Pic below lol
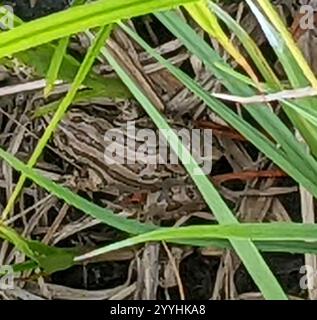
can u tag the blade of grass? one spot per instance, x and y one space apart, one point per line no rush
57 59
253 135
48 258
262 231
295 74
11 236
55 65
132 226
251 47
77 19
39 58
29 265
246 250
268 9
104 215
80 77
269 121
209 22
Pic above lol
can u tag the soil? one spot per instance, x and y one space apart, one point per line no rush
198 272
24 10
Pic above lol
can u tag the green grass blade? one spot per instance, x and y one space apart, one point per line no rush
293 247
104 215
131 226
77 19
261 231
61 261
295 72
57 59
55 65
261 113
48 258
208 21
247 251
66 102
277 22
250 46
19 242
39 59
253 135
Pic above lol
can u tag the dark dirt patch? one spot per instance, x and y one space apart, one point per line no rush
198 274
95 276
23 9
286 269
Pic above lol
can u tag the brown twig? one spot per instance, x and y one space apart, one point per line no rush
248 175
220 130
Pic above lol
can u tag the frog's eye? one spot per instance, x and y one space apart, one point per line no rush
63 139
